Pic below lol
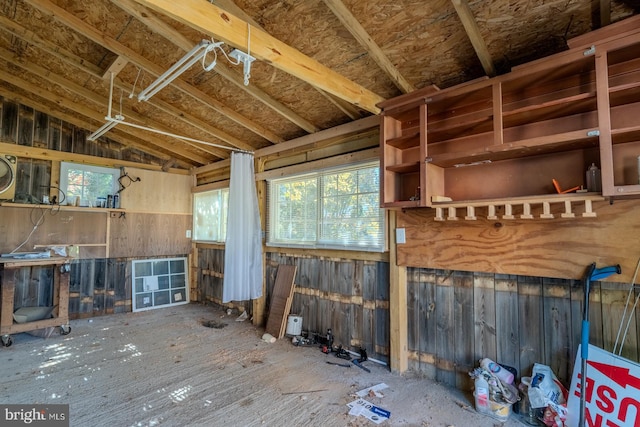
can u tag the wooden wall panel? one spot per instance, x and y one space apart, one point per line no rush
156 192
57 227
149 235
546 248
518 320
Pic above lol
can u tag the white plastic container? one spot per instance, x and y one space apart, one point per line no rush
481 394
497 370
294 325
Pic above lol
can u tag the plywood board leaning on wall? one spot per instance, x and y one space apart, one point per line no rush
156 191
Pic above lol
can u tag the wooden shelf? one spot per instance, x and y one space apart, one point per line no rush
547 119
61 207
404 167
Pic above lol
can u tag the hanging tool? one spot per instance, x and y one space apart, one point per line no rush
592 274
363 357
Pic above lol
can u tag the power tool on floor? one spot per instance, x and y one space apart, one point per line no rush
363 357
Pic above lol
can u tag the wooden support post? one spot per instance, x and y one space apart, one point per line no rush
508 212
491 212
471 214
452 214
567 210
398 357
526 211
588 209
546 210
260 304
439 215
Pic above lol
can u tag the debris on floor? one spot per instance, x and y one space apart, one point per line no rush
242 317
372 391
213 324
361 407
268 338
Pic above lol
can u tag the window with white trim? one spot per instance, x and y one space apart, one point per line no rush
335 209
86 183
210 215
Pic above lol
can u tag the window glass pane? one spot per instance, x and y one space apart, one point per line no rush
210 215
86 182
336 208
160 267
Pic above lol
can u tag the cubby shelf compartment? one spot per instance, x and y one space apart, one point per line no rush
449 210
552 117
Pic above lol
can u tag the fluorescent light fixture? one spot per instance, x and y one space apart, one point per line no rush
193 56
110 124
120 119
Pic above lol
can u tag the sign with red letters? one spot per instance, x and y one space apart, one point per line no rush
612 391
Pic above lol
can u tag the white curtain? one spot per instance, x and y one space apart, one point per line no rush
243 247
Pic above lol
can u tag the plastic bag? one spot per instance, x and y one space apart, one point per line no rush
546 391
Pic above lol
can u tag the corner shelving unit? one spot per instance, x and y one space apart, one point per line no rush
490 141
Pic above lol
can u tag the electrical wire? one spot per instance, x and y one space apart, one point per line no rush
624 314
38 223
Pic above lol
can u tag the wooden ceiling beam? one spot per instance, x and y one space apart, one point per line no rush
360 34
220 24
158 26
103 102
63 156
75 119
92 114
473 32
81 27
116 66
75 61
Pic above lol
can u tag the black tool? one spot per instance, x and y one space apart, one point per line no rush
342 353
344 365
363 357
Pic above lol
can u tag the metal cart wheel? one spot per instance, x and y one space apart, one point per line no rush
7 340
65 329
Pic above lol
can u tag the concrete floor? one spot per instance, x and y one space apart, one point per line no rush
163 367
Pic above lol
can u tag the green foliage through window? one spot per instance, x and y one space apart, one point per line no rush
338 209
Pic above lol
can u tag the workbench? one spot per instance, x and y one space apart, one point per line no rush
9 268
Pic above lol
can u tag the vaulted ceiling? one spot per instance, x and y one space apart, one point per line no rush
319 63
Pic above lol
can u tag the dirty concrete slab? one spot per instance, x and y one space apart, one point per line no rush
194 365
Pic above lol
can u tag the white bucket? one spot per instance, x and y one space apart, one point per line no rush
294 325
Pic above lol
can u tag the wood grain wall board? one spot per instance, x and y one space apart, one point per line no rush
156 192
25 126
463 349
413 311
445 324
66 140
428 319
559 350
507 321
55 134
9 121
485 316
613 303
531 323
149 235
40 130
543 248
280 304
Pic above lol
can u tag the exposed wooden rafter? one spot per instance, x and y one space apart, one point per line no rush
220 24
116 66
158 26
471 27
93 34
360 34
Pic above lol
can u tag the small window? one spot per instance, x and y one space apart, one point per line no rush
87 183
210 215
334 209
